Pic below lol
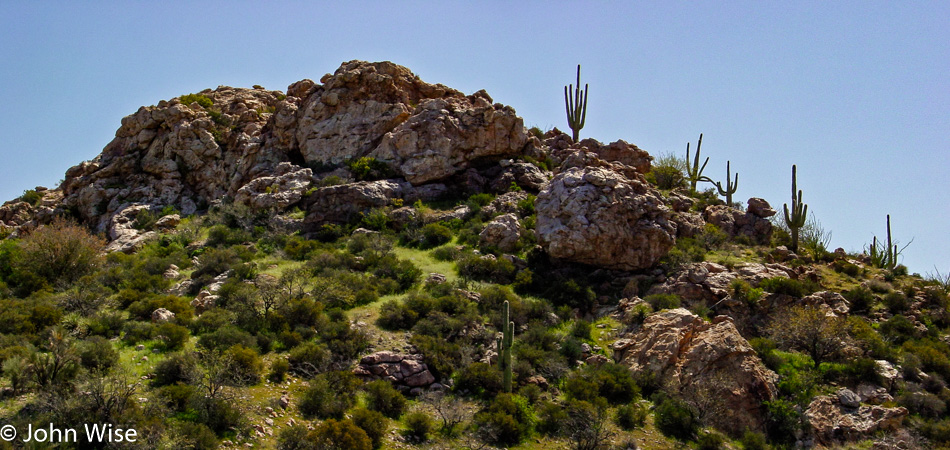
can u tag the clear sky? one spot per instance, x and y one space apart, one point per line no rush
856 93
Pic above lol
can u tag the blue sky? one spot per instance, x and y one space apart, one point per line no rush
857 94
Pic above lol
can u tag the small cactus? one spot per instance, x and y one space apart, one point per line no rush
731 186
796 219
504 347
693 170
576 106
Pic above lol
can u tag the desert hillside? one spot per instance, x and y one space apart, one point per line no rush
374 261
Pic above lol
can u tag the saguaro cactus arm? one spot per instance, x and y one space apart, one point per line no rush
504 347
576 105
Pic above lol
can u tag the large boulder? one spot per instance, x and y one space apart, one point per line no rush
284 187
503 232
834 422
602 217
405 371
752 224
344 203
709 363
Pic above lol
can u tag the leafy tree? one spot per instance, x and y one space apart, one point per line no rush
60 252
810 330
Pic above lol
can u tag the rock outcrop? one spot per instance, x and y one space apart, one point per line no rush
604 217
709 363
833 421
406 372
503 232
752 224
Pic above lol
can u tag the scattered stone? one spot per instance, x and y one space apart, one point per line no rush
161 315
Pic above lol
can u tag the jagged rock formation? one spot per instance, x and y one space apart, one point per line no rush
837 419
753 224
710 363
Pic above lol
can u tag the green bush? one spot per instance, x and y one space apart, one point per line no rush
227 337
245 365
741 290
788 286
382 397
418 426
60 252
170 336
845 267
368 169
581 329
340 435
896 302
663 301
309 359
434 235
782 420
329 395
486 268
923 403
674 418
478 379
667 172
509 417
371 422
197 436
632 415
202 100
175 368
278 370
552 418
710 440
860 298
96 353
752 440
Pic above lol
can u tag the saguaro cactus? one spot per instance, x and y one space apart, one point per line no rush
504 347
796 219
576 106
693 170
885 257
731 186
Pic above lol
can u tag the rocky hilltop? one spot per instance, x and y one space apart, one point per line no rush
699 305
278 151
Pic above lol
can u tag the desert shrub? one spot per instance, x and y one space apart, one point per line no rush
215 261
368 168
860 298
329 395
551 418
418 426
896 302
340 435
446 253
245 365
898 329
371 422
509 417
783 419
686 250
845 267
937 430
932 356
226 337
674 418
486 268
441 356
298 248
741 290
329 232
224 236
106 324
787 286
923 403
710 440
609 380
295 437
175 368
434 235
134 331
61 252
382 397
202 100
31 196
632 415
309 359
278 370
752 440
196 436
581 329
478 379
170 336
663 301
143 309
96 353
667 172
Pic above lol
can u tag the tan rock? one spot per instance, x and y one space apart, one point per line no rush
702 359
598 216
833 423
502 232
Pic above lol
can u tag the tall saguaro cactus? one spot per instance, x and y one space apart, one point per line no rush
504 347
576 106
731 186
796 219
693 170
886 257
